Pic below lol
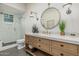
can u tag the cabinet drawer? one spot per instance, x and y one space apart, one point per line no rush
44 48
57 52
65 47
44 41
44 45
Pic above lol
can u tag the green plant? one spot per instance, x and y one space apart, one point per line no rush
62 26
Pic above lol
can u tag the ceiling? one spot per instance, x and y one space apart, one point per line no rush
13 8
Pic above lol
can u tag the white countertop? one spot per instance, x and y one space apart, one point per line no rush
57 37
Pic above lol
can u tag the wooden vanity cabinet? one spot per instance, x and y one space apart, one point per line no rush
52 47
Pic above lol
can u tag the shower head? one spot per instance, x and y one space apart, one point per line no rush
34 14
67 4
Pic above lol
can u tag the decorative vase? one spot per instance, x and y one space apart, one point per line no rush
62 33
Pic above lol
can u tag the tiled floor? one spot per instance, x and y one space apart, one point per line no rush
13 52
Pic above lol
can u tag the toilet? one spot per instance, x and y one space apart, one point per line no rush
20 43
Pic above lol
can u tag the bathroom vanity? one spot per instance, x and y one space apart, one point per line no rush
54 44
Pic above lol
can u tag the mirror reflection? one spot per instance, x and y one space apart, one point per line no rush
50 18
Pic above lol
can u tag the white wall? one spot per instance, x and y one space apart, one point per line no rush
72 20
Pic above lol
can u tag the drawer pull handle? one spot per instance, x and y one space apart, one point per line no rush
61 45
39 45
62 54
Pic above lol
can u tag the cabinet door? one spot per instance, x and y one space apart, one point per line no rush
44 45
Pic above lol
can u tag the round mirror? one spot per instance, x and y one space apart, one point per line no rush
50 18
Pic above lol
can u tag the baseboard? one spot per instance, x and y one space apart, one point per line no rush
8 47
9 43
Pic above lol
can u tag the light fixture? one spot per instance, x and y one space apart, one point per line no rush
48 5
34 14
68 5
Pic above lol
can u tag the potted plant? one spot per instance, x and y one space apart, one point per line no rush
62 27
